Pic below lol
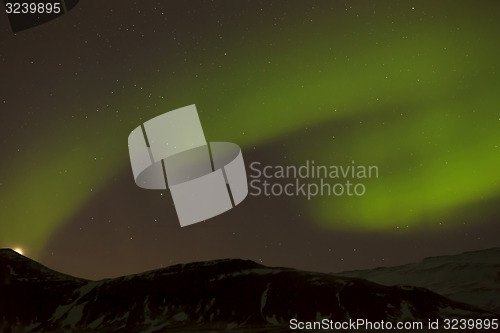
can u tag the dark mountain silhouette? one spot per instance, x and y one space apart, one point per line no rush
471 277
221 295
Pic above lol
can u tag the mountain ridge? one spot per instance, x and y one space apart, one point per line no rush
226 294
472 277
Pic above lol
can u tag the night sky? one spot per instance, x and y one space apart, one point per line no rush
412 87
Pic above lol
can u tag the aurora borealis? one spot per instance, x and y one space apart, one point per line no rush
411 87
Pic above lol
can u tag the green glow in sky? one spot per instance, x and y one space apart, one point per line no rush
415 94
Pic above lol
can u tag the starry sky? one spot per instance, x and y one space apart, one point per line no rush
409 86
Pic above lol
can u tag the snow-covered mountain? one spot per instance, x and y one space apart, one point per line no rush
470 277
222 295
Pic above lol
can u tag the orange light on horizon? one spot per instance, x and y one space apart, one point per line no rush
19 250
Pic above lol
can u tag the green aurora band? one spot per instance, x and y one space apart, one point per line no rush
418 97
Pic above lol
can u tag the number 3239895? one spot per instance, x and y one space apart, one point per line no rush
33 8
